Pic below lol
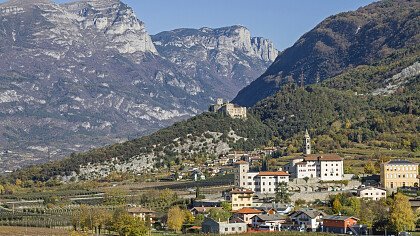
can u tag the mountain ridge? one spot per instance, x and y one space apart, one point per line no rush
86 74
339 42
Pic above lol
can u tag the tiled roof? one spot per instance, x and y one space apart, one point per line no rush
322 157
266 217
204 209
341 218
273 173
400 162
247 210
248 191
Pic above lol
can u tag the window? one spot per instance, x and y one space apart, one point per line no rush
233 228
226 229
240 228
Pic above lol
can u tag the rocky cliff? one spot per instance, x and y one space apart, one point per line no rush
86 74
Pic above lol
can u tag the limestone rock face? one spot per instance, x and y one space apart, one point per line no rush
85 74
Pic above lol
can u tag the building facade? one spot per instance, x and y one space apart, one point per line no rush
241 198
327 167
338 224
371 193
229 109
263 182
211 226
399 173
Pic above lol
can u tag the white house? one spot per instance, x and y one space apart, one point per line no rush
265 222
308 219
371 193
260 182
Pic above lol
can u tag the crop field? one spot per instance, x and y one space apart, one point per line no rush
28 231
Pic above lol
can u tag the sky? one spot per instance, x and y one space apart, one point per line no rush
282 21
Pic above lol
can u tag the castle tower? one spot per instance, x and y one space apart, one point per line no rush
219 101
307 143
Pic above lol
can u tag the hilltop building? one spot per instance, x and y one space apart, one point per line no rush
260 182
229 109
327 167
399 173
371 193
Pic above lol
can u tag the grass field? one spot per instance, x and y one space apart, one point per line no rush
27 231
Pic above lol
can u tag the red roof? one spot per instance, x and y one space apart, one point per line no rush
247 210
248 191
273 173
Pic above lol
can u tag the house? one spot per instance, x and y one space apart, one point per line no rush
241 198
246 214
308 219
415 204
202 210
338 224
371 193
268 222
327 167
399 173
210 226
143 213
274 208
263 182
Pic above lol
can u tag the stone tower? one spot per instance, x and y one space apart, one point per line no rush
241 170
307 143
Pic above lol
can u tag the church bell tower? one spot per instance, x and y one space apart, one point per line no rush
307 143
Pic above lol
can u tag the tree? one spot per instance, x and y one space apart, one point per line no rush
336 205
127 225
401 216
219 214
226 206
370 168
176 218
282 194
306 178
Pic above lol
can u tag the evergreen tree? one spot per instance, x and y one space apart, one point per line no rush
282 193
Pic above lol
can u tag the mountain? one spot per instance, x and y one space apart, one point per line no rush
85 74
338 43
374 106
228 55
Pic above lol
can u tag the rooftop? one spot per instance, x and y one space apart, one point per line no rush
322 157
236 191
341 218
265 217
273 173
400 162
241 162
247 210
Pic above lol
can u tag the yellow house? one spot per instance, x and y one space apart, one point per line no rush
241 198
399 173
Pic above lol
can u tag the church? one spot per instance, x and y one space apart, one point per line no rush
326 167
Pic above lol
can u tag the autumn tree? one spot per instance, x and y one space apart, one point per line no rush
336 206
369 168
402 217
176 218
127 225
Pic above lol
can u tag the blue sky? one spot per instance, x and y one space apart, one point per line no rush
282 21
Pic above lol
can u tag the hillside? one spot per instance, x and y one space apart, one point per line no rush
365 108
86 74
204 135
338 43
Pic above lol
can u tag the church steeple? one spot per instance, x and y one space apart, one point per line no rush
307 143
